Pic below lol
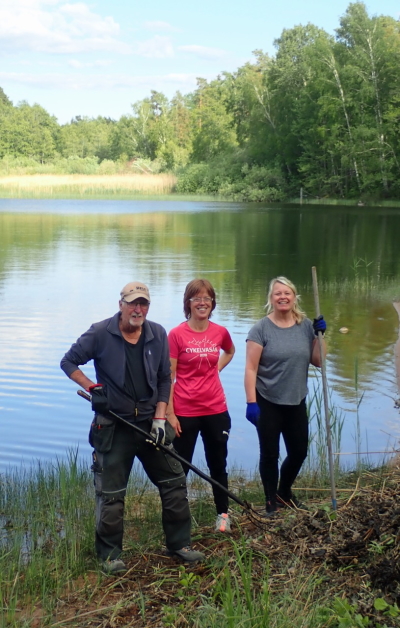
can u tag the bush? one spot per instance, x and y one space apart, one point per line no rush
231 178
108 167
79 165
60 165
192 179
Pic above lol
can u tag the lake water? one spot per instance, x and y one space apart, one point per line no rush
63 263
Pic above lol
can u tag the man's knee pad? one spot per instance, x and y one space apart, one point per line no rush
174 501
109 515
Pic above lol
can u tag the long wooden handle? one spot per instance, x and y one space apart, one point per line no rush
325 391
315 290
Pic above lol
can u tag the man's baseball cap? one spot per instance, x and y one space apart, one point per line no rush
135 290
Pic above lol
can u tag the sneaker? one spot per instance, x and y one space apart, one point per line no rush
187 554
297 503
223 523
270 509
290 502
113 566
281 502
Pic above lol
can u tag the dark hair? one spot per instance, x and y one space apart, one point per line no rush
194 288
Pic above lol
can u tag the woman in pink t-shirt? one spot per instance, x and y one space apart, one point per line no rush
197 402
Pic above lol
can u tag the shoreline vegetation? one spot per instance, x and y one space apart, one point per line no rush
314 568
134 186
305 569
317 120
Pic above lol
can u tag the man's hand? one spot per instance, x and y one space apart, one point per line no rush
158 431
319 325
99 399
253 413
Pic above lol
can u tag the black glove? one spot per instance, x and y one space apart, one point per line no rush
253 413
319 325
158 431
99 399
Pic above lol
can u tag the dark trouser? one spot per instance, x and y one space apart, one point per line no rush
111 474
214 430
292 423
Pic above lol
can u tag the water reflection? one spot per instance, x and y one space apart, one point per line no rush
62 264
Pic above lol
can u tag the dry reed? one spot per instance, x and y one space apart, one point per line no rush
86 185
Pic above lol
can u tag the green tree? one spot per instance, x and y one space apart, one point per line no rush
86 137
132 135
249 101
369 48
29 131
213 125
4 99
176 149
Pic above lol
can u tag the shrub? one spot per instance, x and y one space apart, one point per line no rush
231 178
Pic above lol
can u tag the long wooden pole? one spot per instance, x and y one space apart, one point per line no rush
325 392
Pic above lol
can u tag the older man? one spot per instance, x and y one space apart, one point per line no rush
132 365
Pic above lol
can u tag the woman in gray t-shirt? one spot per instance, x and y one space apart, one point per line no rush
280 348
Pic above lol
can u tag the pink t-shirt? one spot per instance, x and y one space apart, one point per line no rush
198 390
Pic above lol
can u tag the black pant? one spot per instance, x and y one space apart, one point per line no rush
214 430
292 423
111 475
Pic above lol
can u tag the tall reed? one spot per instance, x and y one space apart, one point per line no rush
48 523
77 186
317 463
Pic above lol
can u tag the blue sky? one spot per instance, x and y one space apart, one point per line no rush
98 57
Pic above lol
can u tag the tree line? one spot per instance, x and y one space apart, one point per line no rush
322 114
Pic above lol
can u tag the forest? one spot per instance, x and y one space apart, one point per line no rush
321 115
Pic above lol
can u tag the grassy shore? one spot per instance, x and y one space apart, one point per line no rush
345 202
126 186
296 571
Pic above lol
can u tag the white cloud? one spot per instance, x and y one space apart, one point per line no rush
75 63
158 25
203 52
157 48
51 26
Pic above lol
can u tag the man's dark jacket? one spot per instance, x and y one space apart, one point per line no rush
103 343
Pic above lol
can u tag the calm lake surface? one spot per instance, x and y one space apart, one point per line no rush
63 263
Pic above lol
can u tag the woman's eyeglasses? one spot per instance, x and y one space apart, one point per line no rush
200 299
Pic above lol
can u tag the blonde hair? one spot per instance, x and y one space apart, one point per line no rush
298 313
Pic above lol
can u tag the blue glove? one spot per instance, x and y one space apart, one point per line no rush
253 413
319 325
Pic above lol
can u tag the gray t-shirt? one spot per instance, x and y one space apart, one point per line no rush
283 368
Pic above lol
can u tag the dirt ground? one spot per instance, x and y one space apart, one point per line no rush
355 556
